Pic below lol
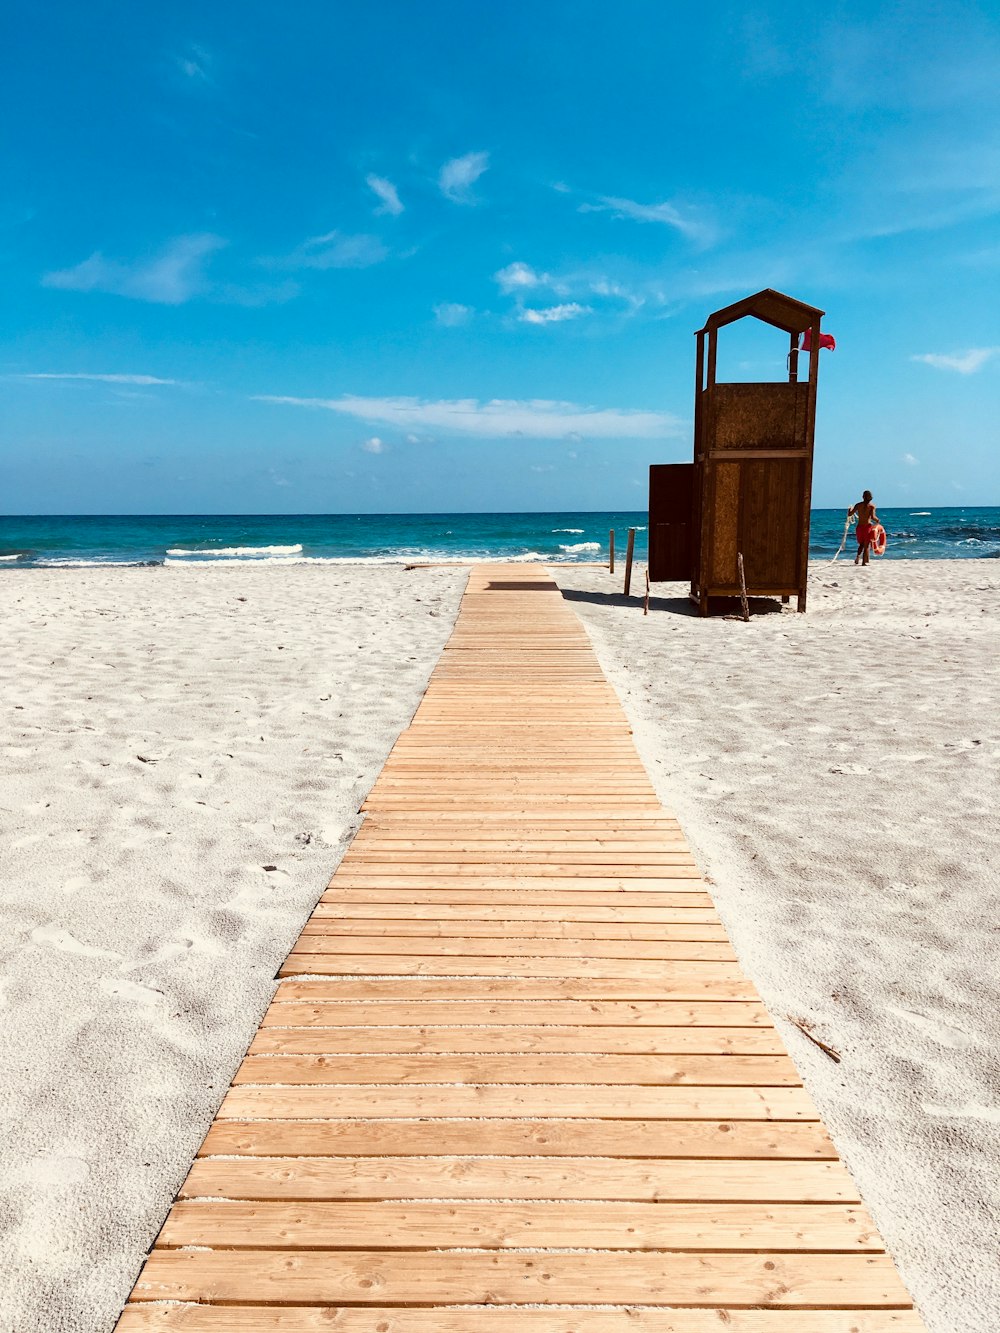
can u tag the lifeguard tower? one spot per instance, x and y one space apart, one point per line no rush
748 490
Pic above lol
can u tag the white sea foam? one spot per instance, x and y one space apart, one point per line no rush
398 558
581 546
96 562
920 513
567 529
227 551
17 555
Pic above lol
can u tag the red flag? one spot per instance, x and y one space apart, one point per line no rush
825 340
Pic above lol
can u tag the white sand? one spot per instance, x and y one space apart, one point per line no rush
837 775
141 931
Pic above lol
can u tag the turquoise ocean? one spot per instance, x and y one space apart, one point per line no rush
200 539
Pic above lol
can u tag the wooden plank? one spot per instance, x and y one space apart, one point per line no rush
680 895
510 1040
513 1138
705 984
623 1015
323 1318
650 1179
669 879
499 917
686 949
615 1101
360 1277
756 1071
606 1226
328 924
506 965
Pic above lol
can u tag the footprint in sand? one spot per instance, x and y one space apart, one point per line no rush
27 840
943 1033
76 884
55 937
134 991
57 1171
163 955
971 1111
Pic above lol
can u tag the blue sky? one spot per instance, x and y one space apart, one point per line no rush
326 257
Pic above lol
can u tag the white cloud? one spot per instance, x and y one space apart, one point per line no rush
519 277
608 287
169 278
196 64
456 178
910 460
387 194
965 363
555 314
335 249
540 419
374 446
667 214
452 315
542 467
143 380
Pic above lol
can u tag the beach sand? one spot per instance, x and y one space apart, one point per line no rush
836 774
165 741
182 758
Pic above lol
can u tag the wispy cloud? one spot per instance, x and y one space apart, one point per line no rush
175 275
555 314
335 249
457 177
965 363
519 277
141 380
540 419
387 194
910 461
667 214
374 445
452 315
195 64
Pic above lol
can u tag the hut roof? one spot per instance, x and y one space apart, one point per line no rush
784 312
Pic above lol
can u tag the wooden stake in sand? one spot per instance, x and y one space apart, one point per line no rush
744 602
611 551
645 608
628 560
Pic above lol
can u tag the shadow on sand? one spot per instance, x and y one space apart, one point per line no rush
727 607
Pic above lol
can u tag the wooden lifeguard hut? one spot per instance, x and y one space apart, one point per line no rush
748 489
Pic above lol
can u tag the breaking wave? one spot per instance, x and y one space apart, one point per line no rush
229 551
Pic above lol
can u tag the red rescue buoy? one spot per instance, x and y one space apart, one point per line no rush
878 540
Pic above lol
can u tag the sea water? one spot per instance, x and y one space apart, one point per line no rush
572 537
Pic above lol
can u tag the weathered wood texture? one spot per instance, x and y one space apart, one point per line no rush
513 1069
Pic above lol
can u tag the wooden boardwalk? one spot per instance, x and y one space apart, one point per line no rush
514 1079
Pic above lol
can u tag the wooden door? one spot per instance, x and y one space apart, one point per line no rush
670 521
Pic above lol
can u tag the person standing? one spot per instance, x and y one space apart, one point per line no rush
864 510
